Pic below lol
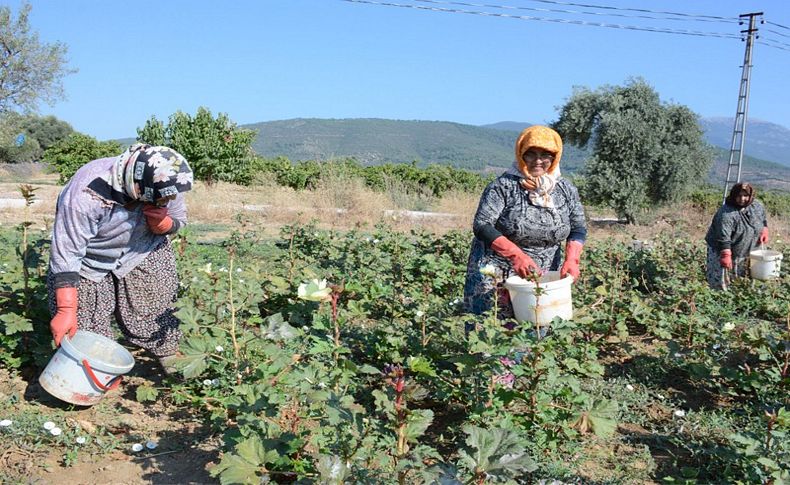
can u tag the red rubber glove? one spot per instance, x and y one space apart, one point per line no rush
725 258
763 239
573 252
65 319
159 222
523 265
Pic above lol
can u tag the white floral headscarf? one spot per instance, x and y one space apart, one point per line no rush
149 173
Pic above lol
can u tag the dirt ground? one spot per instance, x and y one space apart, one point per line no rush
185 446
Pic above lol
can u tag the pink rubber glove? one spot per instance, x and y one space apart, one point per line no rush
157 218
523 265
763 239
725 258
573 252
65 319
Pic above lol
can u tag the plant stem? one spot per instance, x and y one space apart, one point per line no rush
231 253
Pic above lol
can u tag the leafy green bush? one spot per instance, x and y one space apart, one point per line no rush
71 153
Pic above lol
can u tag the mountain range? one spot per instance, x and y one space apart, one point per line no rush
490 147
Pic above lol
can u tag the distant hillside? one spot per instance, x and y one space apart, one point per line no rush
376 141
764 140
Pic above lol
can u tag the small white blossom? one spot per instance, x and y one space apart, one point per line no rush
629 387
151 445
206 269
137 447
214 382
678 355
660 396
56 431
49 425
716 346
80 440
728 327
223 270
207 382
219 348
679 413
419 313
375 241
322 385
238 270
488 270
5 423
241 280
314 290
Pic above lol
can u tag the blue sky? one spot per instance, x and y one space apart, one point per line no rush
261 60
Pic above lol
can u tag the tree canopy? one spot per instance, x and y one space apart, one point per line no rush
215 148
644 151
30 71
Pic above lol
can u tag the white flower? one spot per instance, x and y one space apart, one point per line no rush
137 447
241 280
5 423
219 348
488 270
322 385
151 445
678 355
80 440
660 396
184 178
314 290
419 313
49 425
156 160
223 270
163 173
679 413
214 382
207 382
56 431
716 346
375 241
728 327
239 270
629 387
207 268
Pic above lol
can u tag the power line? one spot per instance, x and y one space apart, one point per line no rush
777 33
777 25
774 43
553 20
643 10
578 12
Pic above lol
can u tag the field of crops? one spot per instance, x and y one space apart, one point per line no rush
341 357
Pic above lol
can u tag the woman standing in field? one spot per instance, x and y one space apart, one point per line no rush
738 227
523 218
110 251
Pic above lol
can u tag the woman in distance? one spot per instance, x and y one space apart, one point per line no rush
523 218
738 227
111 256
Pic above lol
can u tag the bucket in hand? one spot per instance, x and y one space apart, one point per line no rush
85 367
765 264
554 299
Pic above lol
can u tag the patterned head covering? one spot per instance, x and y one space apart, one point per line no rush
148 173
735 191
539 188
542 137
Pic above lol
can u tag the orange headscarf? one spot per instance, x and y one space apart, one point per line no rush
542 137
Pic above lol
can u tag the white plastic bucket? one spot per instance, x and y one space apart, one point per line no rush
765 264
85 367
554 301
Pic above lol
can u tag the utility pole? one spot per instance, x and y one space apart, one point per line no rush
739 129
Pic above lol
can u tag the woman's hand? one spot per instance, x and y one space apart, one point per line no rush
157 218
573 252
65 320
763 238
522 264
725 258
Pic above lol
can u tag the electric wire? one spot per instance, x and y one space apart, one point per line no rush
643 10
773 43
576 12
553 20
777 25
777 33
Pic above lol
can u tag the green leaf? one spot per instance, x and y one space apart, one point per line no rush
417 422
192 365
421 365
15 323
146 393
369 369
331 470
233 469
602 417
277 329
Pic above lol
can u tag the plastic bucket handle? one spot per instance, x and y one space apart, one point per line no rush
114 383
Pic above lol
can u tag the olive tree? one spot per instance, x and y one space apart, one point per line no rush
645 152
30 71
215 148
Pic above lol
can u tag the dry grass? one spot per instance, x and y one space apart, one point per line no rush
345 203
